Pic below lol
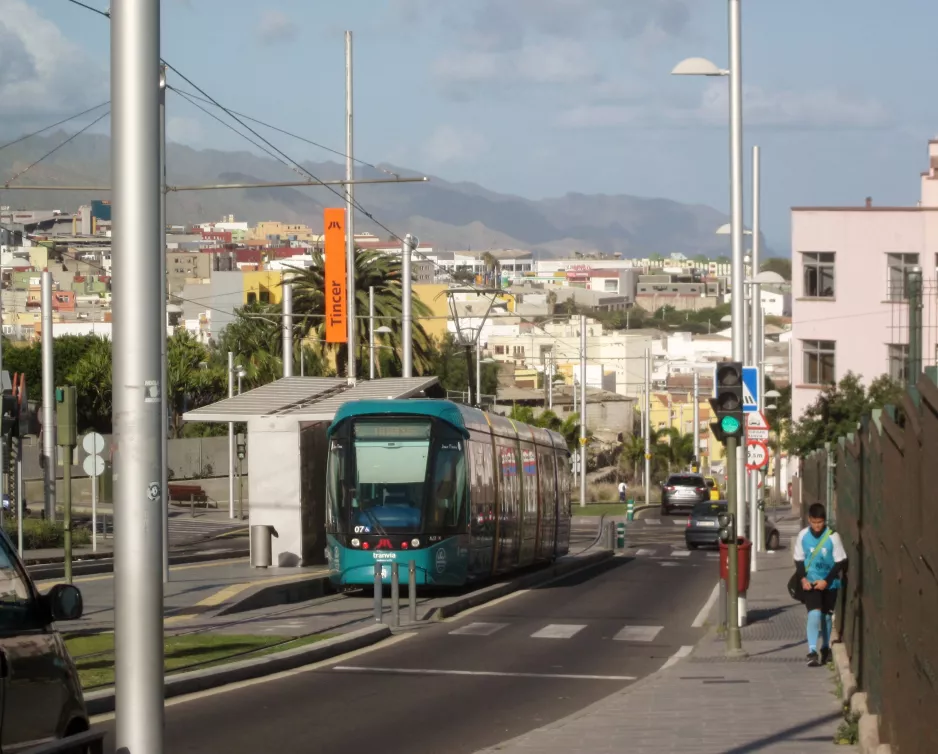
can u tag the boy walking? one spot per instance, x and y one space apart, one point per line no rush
622 491
819 560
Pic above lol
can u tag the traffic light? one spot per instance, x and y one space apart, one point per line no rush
727 406
727 523
9 409
66 416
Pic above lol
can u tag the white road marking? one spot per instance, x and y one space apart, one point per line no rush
713 555
638 633
680 553
645 551
558 631
652 521
708 606
679 522
478 629
492 673
669 563
677 656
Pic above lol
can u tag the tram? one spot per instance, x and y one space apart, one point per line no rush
464 494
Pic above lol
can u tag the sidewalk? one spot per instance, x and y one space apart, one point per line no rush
769 702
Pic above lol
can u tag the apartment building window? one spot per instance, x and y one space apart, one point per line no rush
818 274
517 352
897 267
899 361
819 361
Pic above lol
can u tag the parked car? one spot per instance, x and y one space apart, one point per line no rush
683 491
703 527
41 694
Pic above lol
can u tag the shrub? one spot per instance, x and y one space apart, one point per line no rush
39 534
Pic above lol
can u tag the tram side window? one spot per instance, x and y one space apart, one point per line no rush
448 493
336 487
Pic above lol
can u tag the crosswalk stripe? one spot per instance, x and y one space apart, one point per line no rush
652 521
680 553
558 631
478 629
645 551
678 522
638 633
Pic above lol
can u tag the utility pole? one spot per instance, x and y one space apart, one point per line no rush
646 423
350 213
407 320
914 294
287 326
550 380
138 330
48 397
67 427
755 510
479 368
231 440
583 405
734 640
164 367
371 332
697 420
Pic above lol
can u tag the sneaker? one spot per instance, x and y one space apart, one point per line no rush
826 656
813 660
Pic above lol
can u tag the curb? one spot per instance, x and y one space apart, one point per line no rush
94 563
868 724
102 702
273 595
562 567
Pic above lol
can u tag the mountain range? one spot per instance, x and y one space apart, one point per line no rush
448 215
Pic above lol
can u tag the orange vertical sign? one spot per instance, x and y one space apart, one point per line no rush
336 279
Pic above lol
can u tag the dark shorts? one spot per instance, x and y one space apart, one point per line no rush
824 601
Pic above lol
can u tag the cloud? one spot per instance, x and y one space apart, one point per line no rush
450 144
42 73
185 130
786 109
275 26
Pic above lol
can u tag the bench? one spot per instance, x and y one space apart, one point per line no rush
188 493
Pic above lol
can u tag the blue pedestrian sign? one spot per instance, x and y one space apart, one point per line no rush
751 389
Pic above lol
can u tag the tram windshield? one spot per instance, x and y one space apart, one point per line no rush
405 479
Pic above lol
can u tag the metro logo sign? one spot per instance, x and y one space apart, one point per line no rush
336 281
384 544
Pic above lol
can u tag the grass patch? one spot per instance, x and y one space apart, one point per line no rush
39 534
94 655
600 509
848 734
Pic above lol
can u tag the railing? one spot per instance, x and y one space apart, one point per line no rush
89 742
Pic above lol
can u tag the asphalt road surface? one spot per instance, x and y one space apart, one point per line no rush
473 681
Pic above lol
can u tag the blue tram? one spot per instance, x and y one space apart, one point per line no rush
464 493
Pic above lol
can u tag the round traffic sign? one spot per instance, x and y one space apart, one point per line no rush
92 443
93 465
757 455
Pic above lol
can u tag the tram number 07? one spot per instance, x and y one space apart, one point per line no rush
361 529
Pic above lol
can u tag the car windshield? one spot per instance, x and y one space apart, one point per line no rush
685 481
709 509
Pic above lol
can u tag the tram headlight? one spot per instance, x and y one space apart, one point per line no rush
415 543
356 542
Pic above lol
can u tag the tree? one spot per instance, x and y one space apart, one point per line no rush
781 265
194 378
447 360
372 269
633 453
92 378
837 410
672 448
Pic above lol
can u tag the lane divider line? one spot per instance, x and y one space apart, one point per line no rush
708 606
490 673
677 657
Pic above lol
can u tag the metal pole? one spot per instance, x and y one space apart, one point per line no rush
734 641
138 330
697 420
67 509
231 440
287 334
371 332
94 518
48 397
755 323
583 406
20 504
378 608
164 369
395 595
350 212
479 368
412 589
914 293
407 327
736 181
646 421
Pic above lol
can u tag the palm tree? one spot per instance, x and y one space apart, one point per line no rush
92 375
672 447
633 452
372 269
193 379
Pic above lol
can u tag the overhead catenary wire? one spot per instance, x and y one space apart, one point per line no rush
57 123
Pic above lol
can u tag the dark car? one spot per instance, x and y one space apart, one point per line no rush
41 695
683 491
703 527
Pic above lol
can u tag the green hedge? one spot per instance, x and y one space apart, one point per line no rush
39 534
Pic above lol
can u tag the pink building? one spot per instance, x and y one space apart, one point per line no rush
849 306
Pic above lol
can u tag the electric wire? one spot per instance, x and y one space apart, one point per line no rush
58 123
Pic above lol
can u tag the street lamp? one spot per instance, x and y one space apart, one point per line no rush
383 330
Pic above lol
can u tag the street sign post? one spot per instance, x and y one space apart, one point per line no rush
751 389
93 444
757 455
757 428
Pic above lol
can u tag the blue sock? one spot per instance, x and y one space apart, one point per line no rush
814 628
826 625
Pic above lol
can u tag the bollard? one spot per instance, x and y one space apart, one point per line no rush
395 595
191 506
631 510
379 609
412 589
620 535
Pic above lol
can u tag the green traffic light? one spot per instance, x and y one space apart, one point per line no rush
730 425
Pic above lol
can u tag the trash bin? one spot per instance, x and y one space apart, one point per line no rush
743 560
261 546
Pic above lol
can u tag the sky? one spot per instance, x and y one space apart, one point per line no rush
536 98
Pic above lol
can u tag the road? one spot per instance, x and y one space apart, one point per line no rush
473 681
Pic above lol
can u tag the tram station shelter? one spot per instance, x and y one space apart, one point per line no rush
287 449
